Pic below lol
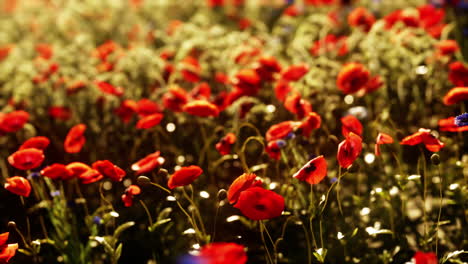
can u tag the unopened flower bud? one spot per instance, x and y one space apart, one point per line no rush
435 158
143 180
163 173
12 224
222 194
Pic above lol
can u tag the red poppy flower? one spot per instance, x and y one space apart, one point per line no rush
130 192
184 176
352 78
126 110
214 3
19 186
13 121
75 87
456 95
77 168
447 47
201 91
281 130
448 125
36 142
382 138
268 66
351 124
373 84
425 137
330 43
149 121
190 69
361 17
175 98
146 107
246 55
349 150
225 144
244 23
298 106
425 258
57 171
221 78
45 50
242 183
5 51
282 89
7 251
109 170
147 164
201 108
458 74
75 139
313 172
108 88
311 122
292 11
257 203
26 159
90 176
247 81
60 113
295 72
222 253
273 150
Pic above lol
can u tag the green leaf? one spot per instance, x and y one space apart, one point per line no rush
158 223
122 228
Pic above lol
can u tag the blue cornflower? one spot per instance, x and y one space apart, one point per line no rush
462 120
291 135
55 193
190 259
280 143
97 220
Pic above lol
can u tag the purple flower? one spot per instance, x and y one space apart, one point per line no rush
462 120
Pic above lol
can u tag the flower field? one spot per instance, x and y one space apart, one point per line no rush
233 131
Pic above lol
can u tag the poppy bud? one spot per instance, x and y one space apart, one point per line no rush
222 194
163 173
12 224
143 180
435 158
